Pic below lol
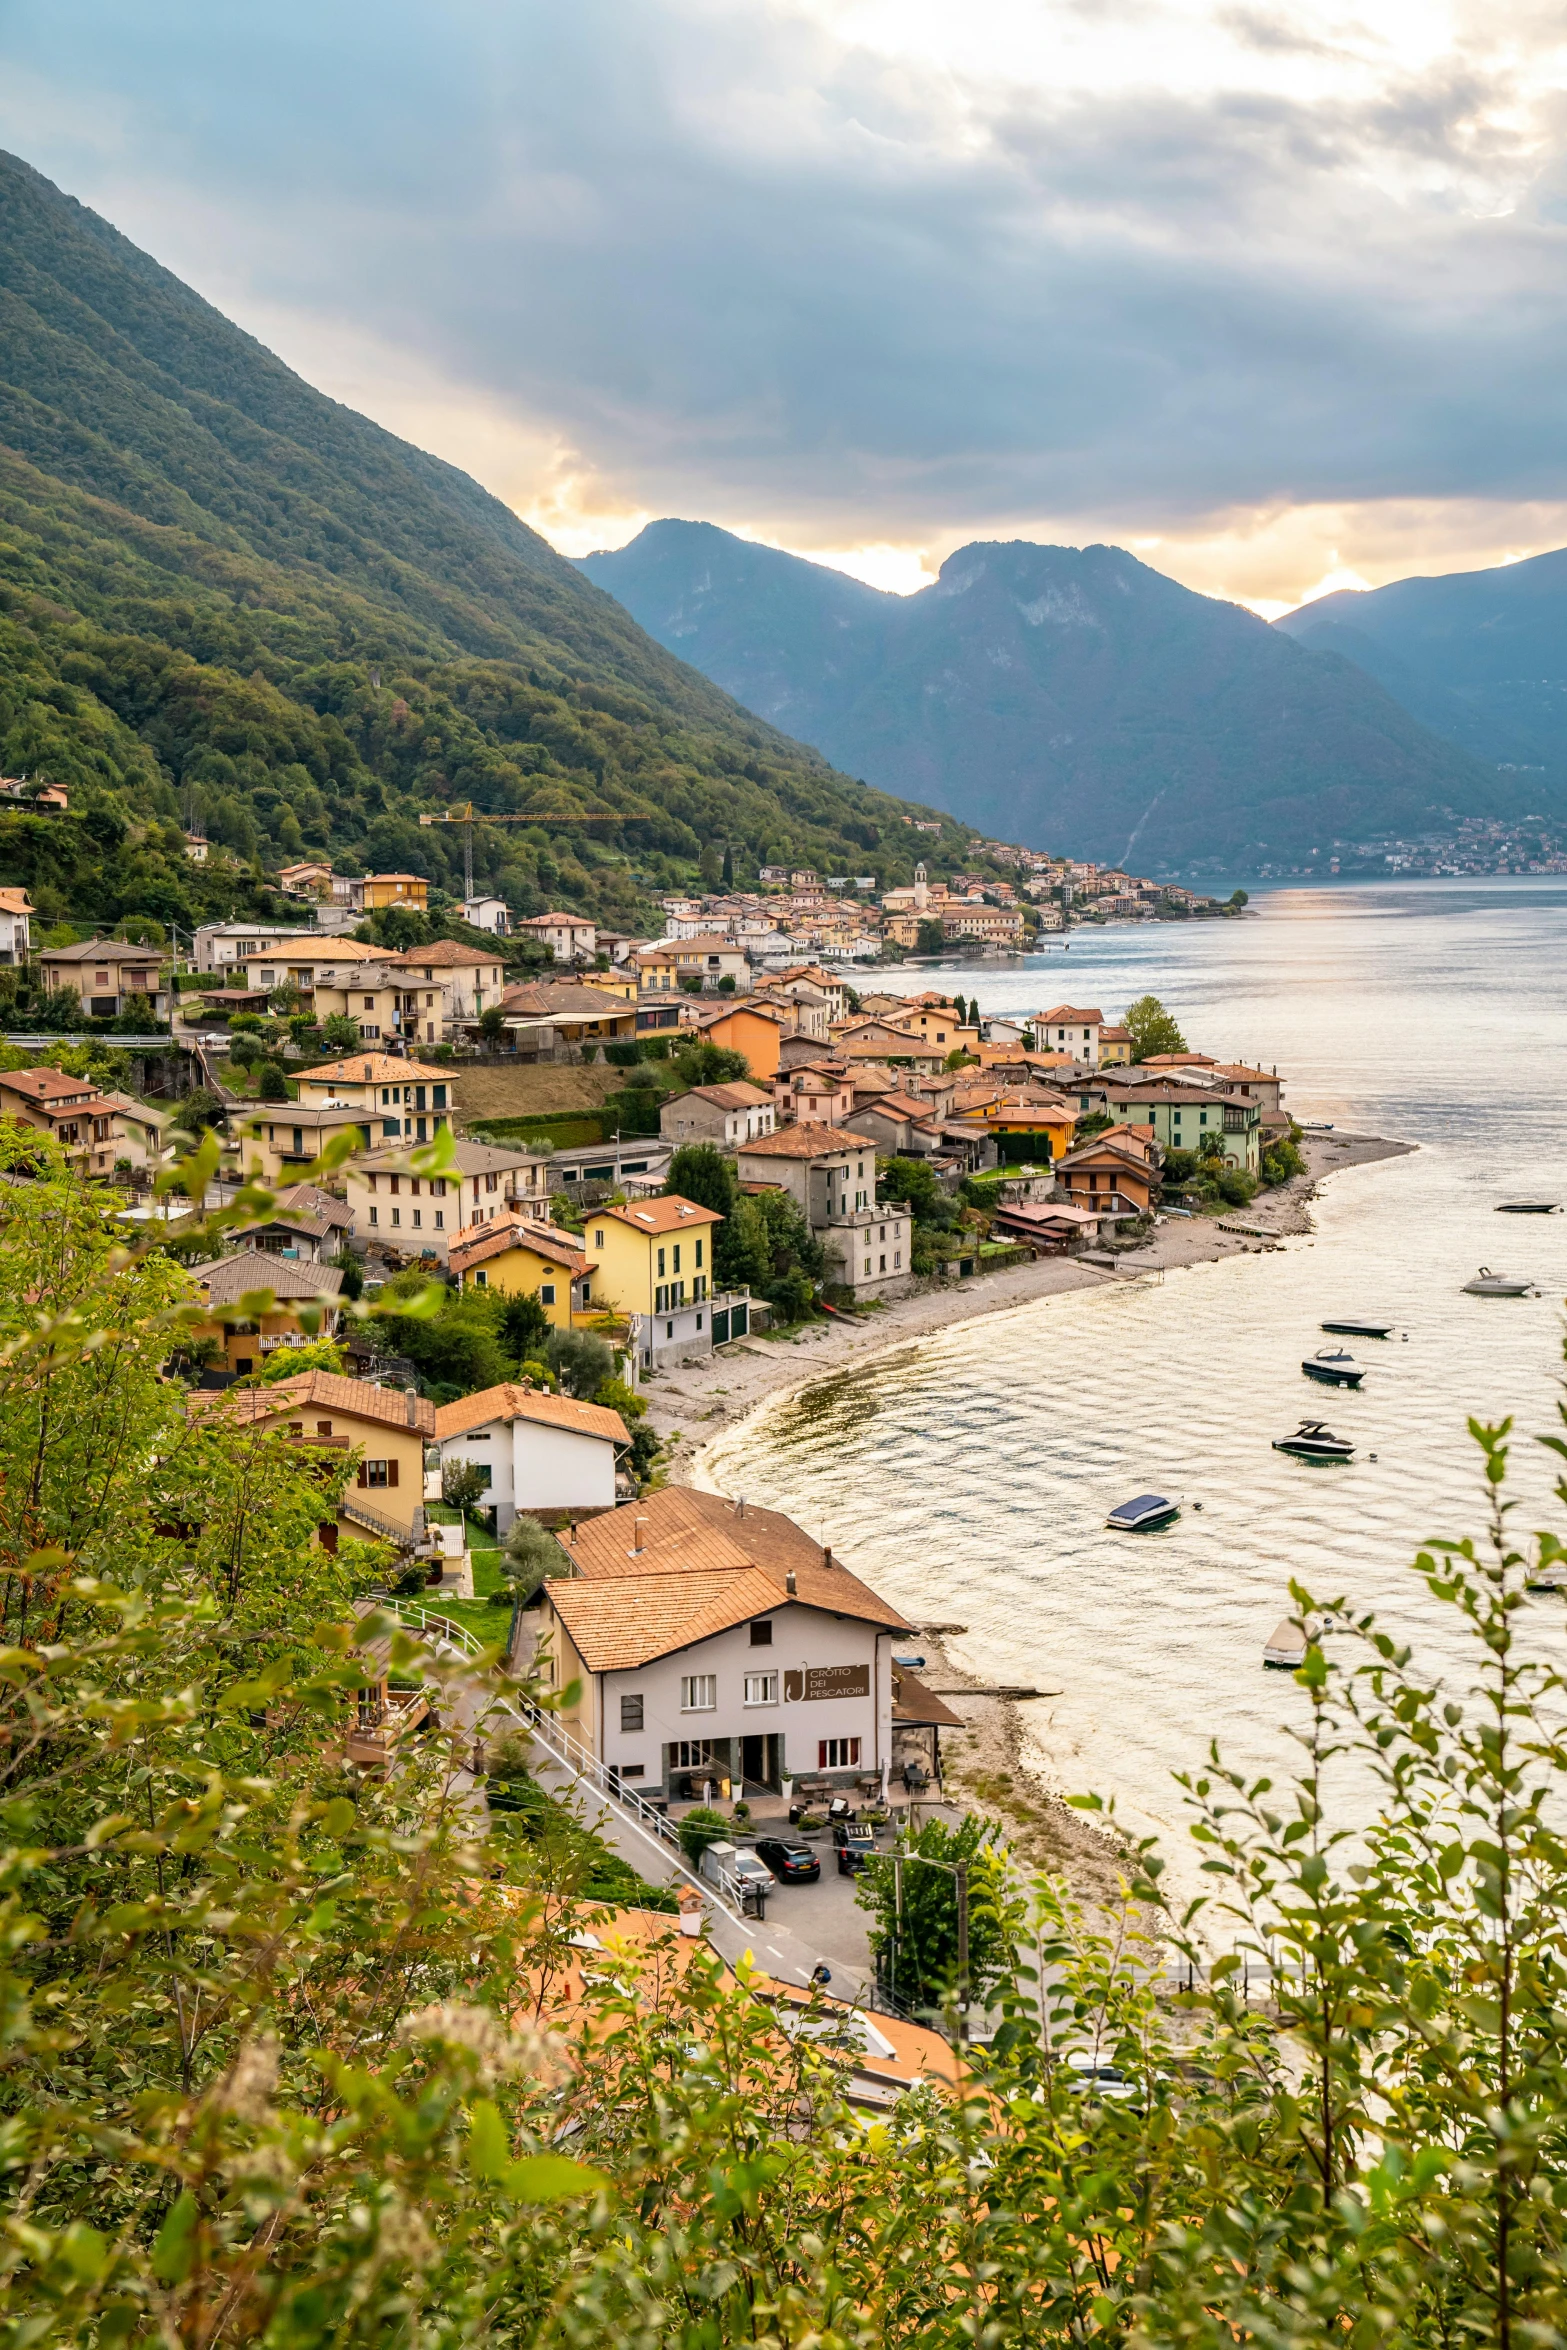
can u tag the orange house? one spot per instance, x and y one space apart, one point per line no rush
755 1032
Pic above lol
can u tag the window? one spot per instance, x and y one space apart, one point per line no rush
397 1215
762 1632
547 1293
438 1187
690 1754
631 1713
661 1264
489 1183
837 1754
483 1468
761 1689
377 1473
418 1220
397 1185
483 1280
598 1240
440 1220
698 1693
375 1215
699 1255
677 1256
369 1003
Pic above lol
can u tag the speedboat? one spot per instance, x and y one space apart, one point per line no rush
1286 1648
1335 1366
1528 1207
1349 1327
1313 1442
1143 1513
1489 1284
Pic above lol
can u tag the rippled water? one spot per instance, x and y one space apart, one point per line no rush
968 1475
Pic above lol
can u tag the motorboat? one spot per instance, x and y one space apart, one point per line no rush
1314 1442
1335 1366
1143 1513
1349 1327
1489 1284
1286 1647
1528 1207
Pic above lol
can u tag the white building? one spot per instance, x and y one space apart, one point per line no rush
15 919
538 1452
418 1214
1068 1028
728 1115
222 945
568 937
714 1641
492 914
830 1174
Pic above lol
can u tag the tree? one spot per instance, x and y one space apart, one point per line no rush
286 1362
492 1025
710 865
463 1485
532 1555
1239 898
272 1085
710 1064
579 1360
914 1184
929 938
339 1034
524 1326
1152 1029
728 877
917 1956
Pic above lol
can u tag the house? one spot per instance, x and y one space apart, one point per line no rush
406 1100
831 984
245 1333
1069 1028
937 1024
725 1114
1115 1174
653 1262
540 1453
557 1020
392 1204
16 913
1186 1117
197 848
443 987
109 977
1022 1128
365 992
569 938
96 1130
885 1040
221 945
379 890
638 1164
898 1125
712 1640
492 914
830 1174
520 1254
1252 1085
1115 1047
624 986
303 961
821 1093
1049 1226
812 1005
308 879
279 1143
997 925
304 1222
386 1427
755 1032
1171 1063
705 960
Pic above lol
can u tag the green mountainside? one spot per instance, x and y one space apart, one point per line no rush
1068 696
227 602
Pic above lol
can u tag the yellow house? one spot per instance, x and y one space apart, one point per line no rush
402 1100
652 1256
616 983
280 1142
394 889
515 1254
385 1426
245 1338
1045 1129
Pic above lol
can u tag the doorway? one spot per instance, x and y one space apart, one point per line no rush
759 1761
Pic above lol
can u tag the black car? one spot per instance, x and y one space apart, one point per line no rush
855 1846
791 1864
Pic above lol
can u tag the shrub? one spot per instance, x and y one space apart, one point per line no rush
702 1827
1236 1187
272 1085
579 1361
532 1556
463 1485
623 1052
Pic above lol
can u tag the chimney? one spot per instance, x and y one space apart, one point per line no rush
573 1533
789 1584
827 1557
740 1507
638 1527
413 1409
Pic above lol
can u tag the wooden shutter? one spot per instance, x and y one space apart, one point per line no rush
364 1474
391 1472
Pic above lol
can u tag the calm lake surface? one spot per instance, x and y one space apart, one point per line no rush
968 1475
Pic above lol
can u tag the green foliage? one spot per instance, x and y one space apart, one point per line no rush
271 1084
1281 1161
699 1172
709 1064
929 938
1239 898
917 1956
914 1184
1152 1029
564 1855
700 1827
524 1326
286 1362
463 1485
459 1347
623 1052
531 1556
580 1361
339 1034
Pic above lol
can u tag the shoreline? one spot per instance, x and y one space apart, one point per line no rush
1000 1764
708 1399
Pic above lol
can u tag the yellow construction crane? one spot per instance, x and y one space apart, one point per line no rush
467 815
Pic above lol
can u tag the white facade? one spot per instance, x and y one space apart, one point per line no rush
710 1709
566 935
221 945
532 1467
15 936
491 914
869 1253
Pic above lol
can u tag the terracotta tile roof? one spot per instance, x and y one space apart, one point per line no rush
554 921
16 901
514 1402
442 953
224 1280
686 1531
373 1069
387 1407
1066 1012
807 1139
477 1243
467 1158
619 1624
540 999
668 1214
738 1096
47 1085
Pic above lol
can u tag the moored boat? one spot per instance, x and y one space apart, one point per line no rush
1528 1207
1312 1441
1348 1326
1286 1647
1141 1514
1489 1284
1335 1366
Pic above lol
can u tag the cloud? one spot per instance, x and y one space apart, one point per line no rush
854 276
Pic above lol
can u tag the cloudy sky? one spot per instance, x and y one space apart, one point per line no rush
1273 293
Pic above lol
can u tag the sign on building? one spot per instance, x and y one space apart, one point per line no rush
827 1681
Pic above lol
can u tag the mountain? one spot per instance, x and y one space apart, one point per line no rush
1478 656
226 599
1071 697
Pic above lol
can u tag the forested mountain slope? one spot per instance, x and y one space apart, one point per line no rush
226 600
1071 696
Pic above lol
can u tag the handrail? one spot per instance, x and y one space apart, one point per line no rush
581 1762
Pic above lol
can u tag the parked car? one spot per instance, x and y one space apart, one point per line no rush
854 1845
1096 2077
791 1864
741 1866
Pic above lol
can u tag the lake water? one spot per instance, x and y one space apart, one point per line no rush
968 1475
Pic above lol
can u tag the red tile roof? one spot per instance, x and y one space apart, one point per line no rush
513 1401
653 1216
